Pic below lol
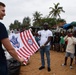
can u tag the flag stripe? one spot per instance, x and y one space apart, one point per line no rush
22 55
32 42
24 52
27 50
25 36
25 43
35 43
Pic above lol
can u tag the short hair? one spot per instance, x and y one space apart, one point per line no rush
2 4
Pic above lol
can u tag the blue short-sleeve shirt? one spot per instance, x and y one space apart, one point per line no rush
3 35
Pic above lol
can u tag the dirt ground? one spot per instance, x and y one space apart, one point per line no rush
57 58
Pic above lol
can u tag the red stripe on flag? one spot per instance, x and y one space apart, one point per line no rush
25 43
31 46
25 36
24 52
32 41
35 43
21 56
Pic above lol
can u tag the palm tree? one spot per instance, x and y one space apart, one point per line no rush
37 18
56 11
26 22
15 25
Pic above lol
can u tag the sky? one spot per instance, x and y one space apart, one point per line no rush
18 9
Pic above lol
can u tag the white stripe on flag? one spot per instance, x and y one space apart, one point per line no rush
21 56
27 38
33 39
25 43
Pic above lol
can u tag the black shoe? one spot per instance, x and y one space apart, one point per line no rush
49 69
42 67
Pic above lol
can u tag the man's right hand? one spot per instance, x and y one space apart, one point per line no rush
21 59
42 46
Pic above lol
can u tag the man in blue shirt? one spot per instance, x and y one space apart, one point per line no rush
6 42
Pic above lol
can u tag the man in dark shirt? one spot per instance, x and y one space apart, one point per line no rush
5 41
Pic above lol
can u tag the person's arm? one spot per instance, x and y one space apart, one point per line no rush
50 35
65 38
49 39
11 50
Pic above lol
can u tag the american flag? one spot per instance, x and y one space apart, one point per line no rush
24 44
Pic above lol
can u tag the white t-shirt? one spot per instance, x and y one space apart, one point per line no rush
70 46
44 36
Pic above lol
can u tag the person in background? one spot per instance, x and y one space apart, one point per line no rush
4 40
45 38
62 43
75 45
56 41
70 49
